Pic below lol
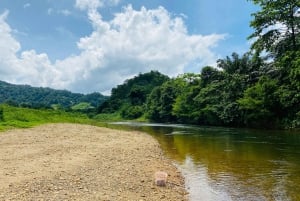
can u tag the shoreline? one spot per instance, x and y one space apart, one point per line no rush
82 162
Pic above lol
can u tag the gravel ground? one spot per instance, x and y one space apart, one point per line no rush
81 162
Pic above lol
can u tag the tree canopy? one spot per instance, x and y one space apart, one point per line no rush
277 26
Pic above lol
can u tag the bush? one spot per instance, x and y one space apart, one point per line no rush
132 112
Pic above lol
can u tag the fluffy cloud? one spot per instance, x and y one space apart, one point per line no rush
28 67
133 41
139 41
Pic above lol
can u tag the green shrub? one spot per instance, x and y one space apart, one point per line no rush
132 112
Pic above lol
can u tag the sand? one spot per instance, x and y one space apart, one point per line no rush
82 162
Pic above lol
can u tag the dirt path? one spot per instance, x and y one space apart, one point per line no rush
81 162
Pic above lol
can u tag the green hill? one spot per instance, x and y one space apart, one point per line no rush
39 97
129 99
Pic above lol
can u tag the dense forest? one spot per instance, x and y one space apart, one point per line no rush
39 97
260 88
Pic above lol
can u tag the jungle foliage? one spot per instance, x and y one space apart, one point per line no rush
244 91
260 88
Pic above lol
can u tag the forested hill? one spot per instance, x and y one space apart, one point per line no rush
130 98
39 97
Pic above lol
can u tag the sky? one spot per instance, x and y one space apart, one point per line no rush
93 45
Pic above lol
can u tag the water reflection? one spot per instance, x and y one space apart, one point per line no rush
232 164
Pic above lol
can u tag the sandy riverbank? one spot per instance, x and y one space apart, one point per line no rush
81 162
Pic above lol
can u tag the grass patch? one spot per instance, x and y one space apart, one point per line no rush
108 117
16 117
82 106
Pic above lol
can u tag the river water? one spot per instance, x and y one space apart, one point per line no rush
222 164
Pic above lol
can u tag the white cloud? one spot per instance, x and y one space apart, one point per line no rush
27 5
88 4
133 41
65 12
140 41
8 47
94 4
29 67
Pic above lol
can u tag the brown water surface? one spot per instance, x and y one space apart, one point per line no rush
231 164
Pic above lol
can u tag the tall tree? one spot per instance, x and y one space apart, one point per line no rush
161 100
277 26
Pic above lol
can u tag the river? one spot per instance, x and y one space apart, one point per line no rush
223 164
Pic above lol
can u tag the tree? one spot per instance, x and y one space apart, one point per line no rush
277 26
161 101
208 75
132 112
244 65
208 104
184 105
153 104
260 104
289 90
137 95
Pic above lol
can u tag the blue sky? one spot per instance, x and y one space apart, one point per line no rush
93 45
